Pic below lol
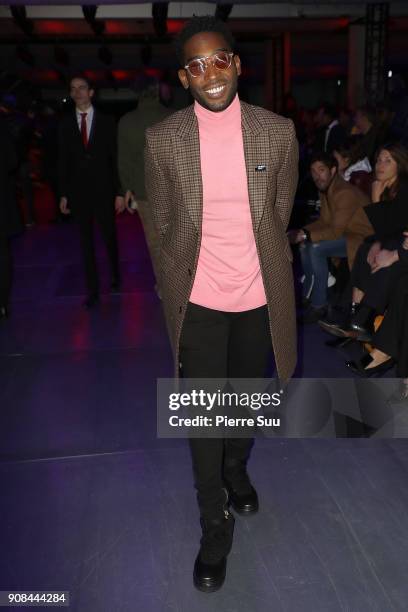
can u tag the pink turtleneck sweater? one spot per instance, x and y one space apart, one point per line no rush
228 276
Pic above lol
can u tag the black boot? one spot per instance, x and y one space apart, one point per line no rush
216 542
339 325
363 323
241 494
360 326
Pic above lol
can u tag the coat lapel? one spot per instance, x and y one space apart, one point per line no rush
256 151
187 151
92 132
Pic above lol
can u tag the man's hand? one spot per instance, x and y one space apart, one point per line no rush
64 206
373 252
119 204
296 236
384 259
129 198
405 243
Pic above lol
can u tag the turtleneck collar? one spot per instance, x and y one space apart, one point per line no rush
229 116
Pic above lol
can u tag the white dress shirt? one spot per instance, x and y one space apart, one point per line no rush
89 118
328 130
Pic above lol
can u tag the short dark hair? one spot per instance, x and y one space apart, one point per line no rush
351 148
324 158
328 109
82 77
197 24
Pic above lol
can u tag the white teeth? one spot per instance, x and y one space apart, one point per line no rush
215 90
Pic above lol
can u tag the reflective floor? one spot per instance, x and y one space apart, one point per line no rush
93 503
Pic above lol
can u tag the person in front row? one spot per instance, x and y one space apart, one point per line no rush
325 237
376 270
390 342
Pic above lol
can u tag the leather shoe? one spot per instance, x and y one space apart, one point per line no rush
243 503
241 494
359 367
91 301
211 562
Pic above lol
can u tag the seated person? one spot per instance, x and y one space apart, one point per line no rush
391 339
376 268
325 237
354 166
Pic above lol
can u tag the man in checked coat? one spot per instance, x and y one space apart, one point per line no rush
220 178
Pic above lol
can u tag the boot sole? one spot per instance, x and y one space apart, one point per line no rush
244 512
207 589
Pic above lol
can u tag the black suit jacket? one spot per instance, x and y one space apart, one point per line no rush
337 137
88 177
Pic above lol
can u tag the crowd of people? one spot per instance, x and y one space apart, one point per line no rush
361 176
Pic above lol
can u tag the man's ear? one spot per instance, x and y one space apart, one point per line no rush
182 75
91 93
237 62
333 171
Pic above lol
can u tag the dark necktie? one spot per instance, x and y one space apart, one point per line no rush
84 133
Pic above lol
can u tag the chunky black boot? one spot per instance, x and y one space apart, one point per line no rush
216 542
339 328
363 323
241 494
360 327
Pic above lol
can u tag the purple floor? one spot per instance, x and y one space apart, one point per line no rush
93 503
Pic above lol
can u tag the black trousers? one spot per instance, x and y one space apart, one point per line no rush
377 287
5 269
217 344
392 336
107 226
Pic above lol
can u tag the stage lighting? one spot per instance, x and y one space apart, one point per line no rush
223 11
19 15
159 14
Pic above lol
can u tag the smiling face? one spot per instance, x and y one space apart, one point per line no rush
386 168
215 89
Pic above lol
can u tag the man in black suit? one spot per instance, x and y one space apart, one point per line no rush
88 180
329 134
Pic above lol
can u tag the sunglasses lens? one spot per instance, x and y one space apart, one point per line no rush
222 61
196 68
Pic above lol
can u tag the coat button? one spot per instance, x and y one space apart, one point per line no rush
189 271
180 309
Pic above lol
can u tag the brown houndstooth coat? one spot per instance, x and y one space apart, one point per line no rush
174 191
